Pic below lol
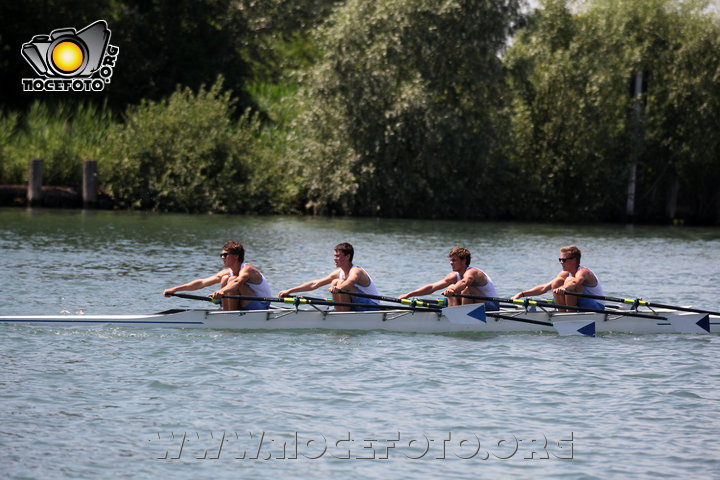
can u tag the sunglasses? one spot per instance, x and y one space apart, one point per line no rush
223 255
563 260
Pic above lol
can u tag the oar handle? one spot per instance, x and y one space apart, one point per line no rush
196 297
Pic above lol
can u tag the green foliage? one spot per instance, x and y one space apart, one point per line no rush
10 167
63 136
576 127
277 41
182 154
415 108
402 116
272 182
683 117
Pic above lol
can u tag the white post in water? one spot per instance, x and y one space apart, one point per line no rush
632 181
35 175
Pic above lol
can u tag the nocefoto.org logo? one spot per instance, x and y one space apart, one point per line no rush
68 60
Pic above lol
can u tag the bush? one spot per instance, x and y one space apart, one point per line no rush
185 153
62 135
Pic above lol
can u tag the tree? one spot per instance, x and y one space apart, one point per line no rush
185 153
573 117
404 111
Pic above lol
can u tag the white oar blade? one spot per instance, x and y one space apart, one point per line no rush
691 323
466 314
575 327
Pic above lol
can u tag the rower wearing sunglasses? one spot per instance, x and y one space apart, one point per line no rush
236 278
573 278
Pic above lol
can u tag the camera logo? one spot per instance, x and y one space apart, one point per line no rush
71 60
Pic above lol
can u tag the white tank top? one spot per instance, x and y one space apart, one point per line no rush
596 290
370 289
487 290
261 289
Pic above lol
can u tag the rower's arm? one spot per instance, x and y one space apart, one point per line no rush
582 277
356 275
429 288
244 276
195 284
310 285
544 287
468 279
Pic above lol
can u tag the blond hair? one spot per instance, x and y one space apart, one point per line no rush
461 253
573 251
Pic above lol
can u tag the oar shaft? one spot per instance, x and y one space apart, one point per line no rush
320 301
537 303
261 299
404 301
517 319
677 307
637 302
367 305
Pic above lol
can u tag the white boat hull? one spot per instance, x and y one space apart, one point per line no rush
466 318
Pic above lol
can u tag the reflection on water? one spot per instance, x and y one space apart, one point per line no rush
119 262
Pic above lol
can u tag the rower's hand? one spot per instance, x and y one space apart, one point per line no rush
517 295
283 293
559 291
403 296
217 294
450 292
168 292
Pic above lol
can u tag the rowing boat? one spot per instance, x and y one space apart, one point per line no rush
465 318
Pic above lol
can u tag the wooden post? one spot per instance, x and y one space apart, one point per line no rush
89 186
34 193
632 185
672 198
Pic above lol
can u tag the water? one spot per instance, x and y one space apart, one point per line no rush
108 402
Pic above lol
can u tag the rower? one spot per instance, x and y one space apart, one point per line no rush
464 279
347 277
572 278
236 278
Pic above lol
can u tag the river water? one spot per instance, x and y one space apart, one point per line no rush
109 402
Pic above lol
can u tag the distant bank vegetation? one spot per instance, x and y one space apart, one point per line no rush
404 108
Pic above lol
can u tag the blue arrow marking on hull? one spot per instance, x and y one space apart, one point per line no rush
588 330
479 313
704 323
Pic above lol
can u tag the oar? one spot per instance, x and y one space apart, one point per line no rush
538 303
517 319
322 301
404 301
637 302
196 297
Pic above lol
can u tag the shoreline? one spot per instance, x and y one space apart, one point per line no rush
51 197
71 198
